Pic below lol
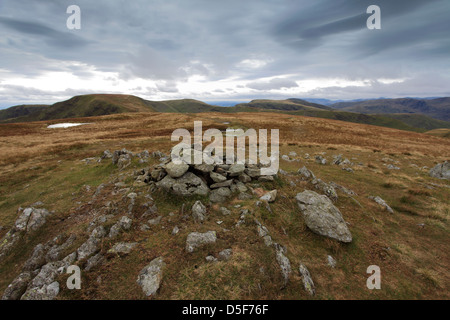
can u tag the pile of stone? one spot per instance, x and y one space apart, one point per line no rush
218 181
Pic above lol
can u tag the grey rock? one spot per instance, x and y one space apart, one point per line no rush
224 184
155 221
441 171
220 195
217 178
382 203
195 240
284 263
225 255
326 188
175 230
18 287
88 248
236 170
244 178
176 170
322 217
189 184
199 211
94 261
224 211
150 277
37 259
124 161
205 168
308 283
306 174
331 261
270 196
46 292
266 179
211 259
123 247
321 160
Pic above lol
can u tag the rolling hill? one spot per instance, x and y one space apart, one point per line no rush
438 108
106 104
19 111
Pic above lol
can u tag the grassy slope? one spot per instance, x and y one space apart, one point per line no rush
445 133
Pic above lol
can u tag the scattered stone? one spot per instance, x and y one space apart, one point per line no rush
224 211
225 255
382 203
150 277
331 261
306 174
94 261
326 188
269 196
122 247
321 160
155 221
211 259
175 230
308 283
124 161
392 167
322 217
199 212
195 240
283 262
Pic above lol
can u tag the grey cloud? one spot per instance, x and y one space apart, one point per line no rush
273 84
171 41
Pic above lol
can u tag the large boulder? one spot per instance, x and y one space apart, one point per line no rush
150 277
441 171
187 185
322 217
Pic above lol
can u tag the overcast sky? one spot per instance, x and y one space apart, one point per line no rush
223 50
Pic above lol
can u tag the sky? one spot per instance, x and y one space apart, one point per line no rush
231 50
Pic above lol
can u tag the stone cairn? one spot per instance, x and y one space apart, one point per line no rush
219 181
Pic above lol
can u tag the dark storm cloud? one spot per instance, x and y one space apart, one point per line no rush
249 41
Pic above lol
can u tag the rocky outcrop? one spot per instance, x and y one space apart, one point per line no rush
29 220
322 217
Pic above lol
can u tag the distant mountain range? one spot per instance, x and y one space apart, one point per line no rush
438 108
418 115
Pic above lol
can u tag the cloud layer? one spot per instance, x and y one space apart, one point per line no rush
223 50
